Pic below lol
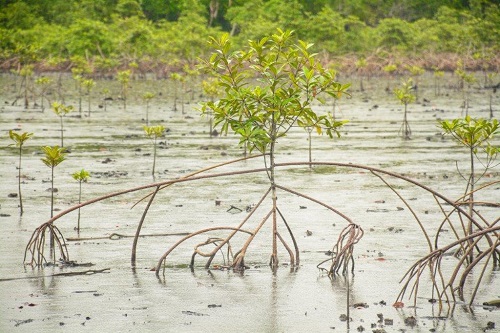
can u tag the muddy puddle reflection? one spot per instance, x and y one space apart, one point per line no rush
113 297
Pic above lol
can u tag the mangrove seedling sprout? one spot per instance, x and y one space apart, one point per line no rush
53 157
405 96
147 97
61 110
124 79
81 176
44 82
88 84
19 140
154 132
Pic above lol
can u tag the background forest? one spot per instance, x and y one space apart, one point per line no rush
156 35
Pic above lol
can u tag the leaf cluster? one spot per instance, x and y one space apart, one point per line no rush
473 133
53 155
269 88
19 139
404 93
81 176
154 132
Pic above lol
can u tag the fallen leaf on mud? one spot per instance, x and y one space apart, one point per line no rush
380 259
399 305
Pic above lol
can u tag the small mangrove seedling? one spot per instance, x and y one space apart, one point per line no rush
476 136
415 72
26 72
124 78
391 70
212 90
105 98
191 74
81 176
147 97
53 157
77 76
466 80
44 83
61 110
88 84
19 140
405 96
176 77
361 65
154 132
438 76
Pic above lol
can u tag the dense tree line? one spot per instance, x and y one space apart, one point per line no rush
113 33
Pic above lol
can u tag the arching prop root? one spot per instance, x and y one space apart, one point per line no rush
37 245
447 284
342 252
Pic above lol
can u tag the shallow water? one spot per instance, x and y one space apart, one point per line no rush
111 145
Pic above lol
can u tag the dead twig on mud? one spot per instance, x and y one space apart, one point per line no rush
87 272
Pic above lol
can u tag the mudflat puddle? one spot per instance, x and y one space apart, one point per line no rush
105 294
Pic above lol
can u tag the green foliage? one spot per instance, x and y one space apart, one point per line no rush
81 176
473 133
404 93
154 132
269 88
54 155
110 33
61 110
19 140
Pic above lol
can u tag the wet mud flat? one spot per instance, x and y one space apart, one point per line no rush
103 292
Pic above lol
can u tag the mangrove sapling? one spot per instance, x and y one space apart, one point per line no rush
391 70
212 90
361 65
124 78
105 98
88 84
176 77
466 80
153 133
438 76
147 97
405 96
53 157
26 72
476 136
77 76
61 110
44 83
81 176
288 78
19 140
415 72
191 75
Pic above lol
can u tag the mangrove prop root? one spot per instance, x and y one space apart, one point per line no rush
480 250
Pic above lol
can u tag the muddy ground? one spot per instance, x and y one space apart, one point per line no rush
110 144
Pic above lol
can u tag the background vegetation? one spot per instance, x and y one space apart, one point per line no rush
162 34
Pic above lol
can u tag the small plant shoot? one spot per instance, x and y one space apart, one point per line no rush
19 140
405 96
81 176
61 110
153 133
